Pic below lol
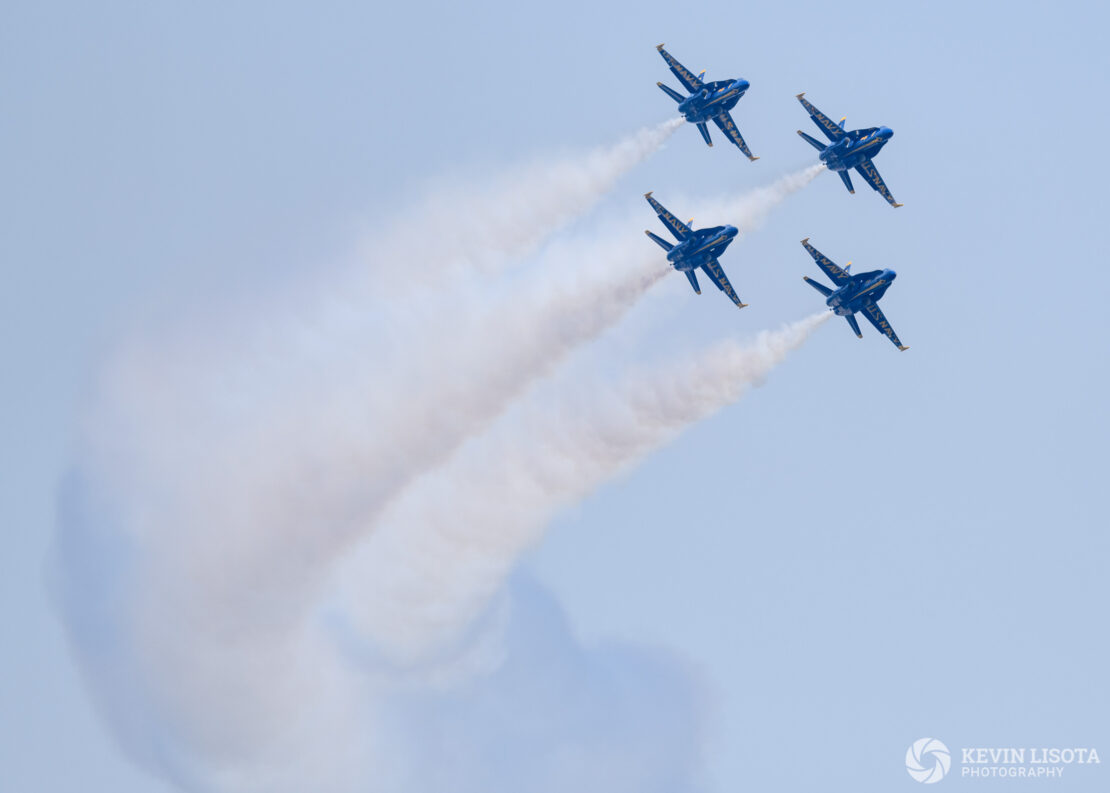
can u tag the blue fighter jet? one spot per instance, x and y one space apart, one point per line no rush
707 101
696 248
850 149
860 292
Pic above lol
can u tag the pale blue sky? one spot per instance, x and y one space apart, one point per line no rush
872 548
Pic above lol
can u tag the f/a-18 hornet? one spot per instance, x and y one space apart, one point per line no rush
860 292
696 248
850 149
707 101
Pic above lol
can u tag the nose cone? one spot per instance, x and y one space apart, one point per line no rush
886 133
742 85
890 275
731 231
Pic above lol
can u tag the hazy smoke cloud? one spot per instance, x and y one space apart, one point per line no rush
227 472
445 550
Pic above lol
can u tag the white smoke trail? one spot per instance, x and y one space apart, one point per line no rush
227 472
446 549
748 211
237 471
344 445
510 214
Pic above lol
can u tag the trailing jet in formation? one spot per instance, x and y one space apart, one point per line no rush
850 149
707 101
860 292
696 248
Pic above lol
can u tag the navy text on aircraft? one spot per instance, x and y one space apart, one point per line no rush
860 292
707 101
696 248
850 149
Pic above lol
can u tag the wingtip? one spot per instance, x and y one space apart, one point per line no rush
898 205
805 240
753 159
799 96
741 305
659 84
853 192
697 291
903 348
659 47
648 193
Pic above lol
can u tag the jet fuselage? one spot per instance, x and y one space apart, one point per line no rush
850 151
703 247
864 288
712 100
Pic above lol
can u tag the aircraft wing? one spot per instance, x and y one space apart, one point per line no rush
725 122
688 79
832 270
832 130
875 315
869 172
676 226
717 275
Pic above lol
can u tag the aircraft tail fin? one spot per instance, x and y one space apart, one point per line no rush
855 325
662 243
812 142
844 177
673 94
693 280
819 287
704 130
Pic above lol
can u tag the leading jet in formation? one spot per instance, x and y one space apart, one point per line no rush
707 101
860 292
850 149
696 248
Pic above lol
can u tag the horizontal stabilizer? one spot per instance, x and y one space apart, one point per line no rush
847 179
673 94
662 243
855 325
704 130
693 280
819 287
812 142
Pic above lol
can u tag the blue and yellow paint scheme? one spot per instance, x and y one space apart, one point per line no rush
850 149
855 293
696 248
707 101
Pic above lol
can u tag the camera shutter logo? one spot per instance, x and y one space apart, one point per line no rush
928 760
